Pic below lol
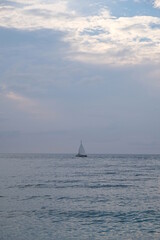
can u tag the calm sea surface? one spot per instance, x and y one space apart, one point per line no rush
60 197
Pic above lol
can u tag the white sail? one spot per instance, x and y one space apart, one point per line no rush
81 151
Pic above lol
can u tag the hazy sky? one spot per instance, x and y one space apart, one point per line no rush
72 70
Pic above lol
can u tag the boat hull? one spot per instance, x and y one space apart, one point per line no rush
80 155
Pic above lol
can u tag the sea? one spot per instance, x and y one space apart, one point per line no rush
62 197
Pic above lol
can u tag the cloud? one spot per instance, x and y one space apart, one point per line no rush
121 41
25 105
157 3
98 39
20 99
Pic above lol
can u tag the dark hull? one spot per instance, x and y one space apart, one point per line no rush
79 155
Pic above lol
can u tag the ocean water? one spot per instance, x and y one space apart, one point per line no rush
61 197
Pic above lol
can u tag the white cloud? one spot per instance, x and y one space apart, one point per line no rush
157 3
100 38
120 40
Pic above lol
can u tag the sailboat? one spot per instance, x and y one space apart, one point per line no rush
81 151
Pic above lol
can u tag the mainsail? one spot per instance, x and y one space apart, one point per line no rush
81 151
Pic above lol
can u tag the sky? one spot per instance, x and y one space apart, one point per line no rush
72 70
